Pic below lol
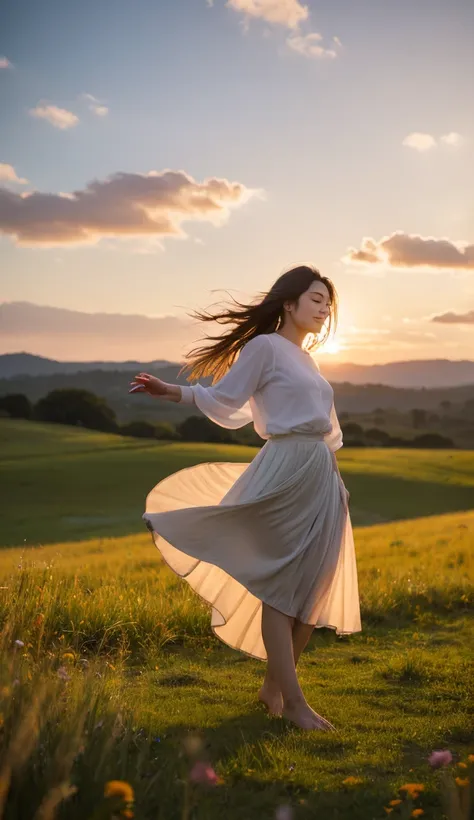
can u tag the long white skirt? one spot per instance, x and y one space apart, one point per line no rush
276 530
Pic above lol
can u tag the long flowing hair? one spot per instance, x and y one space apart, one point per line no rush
263 316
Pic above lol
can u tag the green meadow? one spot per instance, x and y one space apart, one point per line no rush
110 667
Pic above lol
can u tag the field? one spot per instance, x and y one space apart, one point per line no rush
111 665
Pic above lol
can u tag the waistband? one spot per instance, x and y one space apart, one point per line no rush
297 436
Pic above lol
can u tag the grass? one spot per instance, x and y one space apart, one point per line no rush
59 483
119 666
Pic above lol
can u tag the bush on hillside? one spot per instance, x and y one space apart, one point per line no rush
197 428
77 407
16 406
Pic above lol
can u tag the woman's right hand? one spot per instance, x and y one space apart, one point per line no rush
144 383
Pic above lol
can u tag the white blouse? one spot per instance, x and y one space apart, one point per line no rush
275 384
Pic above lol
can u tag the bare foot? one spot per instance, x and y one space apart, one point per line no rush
271 696
305 717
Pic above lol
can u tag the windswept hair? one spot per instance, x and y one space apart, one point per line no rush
263 316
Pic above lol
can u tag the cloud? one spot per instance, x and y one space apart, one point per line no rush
59 117
412 251
289 13
124 205
453 138
337 41
452 318
97 108
308 45
424 142
79 336
8 174
4 63
419 141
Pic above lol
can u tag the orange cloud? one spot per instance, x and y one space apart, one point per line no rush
124 205
452 318
289 13
308 45
59 117
8 174
411 251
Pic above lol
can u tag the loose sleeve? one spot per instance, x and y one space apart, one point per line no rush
334 438
227 402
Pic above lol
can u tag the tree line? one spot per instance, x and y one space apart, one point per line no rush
82 408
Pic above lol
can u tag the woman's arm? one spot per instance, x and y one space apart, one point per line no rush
225 402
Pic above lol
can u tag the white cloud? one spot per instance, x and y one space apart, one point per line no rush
59 117
4 63
289 13
123 206
8 174
337 41
419 141
95 105
453 138
308 45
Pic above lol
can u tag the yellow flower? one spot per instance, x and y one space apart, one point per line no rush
352 781
5 691
68 656
462 782
462 765
394 802
417 812
413 789
470 758
119 788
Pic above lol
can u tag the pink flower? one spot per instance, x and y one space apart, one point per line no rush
62 673
202 772
440 757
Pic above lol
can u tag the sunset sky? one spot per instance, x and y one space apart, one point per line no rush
158 154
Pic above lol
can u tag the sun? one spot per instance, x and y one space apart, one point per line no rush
332 347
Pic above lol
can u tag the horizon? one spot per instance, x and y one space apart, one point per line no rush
234 140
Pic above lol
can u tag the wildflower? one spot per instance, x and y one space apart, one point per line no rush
413 789
19 643
417 813
352 781
202 772
440 758
387 810
284 812
470 758
119 788
462 781
394 802
462 765
62 673
68 656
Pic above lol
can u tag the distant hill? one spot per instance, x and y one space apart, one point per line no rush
27 364
431 373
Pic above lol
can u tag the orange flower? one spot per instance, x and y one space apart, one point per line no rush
119 788
462 765
387 810
413 789
470 758
352 781
417 812
394 802
462 782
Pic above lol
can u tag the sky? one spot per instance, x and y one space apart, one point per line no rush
160 157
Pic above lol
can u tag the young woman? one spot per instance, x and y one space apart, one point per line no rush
268 544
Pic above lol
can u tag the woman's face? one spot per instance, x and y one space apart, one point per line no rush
312 310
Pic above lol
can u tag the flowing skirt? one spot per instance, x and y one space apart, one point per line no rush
276 530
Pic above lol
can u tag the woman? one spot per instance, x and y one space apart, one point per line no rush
268 544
